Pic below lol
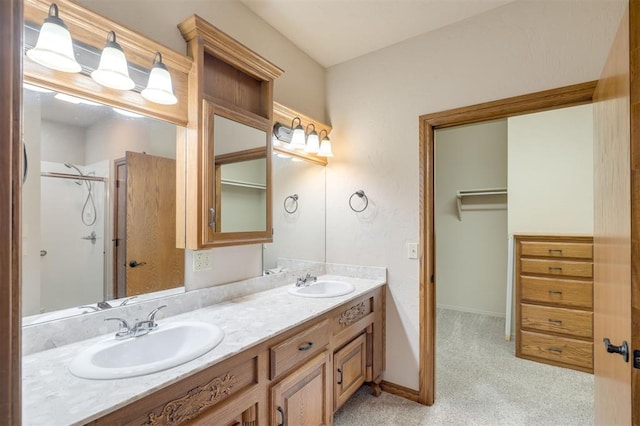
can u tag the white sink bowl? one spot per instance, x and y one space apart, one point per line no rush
169 345
323 288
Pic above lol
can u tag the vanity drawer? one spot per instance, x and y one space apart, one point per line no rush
572 293
350 315
298 348
554 249
558 320
558 349
556 267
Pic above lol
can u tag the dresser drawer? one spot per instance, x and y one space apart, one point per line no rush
554 249
556 267
558 349
558 320
298 348
572 293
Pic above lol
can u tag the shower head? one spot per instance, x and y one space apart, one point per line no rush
71 166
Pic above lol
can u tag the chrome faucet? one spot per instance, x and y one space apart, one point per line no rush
140 328
307 280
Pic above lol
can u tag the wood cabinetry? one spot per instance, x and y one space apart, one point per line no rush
299 377
554 300
231 84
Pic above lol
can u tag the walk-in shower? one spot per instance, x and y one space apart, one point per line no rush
88 217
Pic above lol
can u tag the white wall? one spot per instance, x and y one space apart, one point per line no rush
551 172
374 103
471 254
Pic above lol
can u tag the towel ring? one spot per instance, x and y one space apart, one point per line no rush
360 193
294 201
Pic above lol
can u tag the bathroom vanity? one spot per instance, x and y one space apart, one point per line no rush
284 359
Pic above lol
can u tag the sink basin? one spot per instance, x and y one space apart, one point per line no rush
169 345
323 288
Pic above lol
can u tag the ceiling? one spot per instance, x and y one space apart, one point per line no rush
335 31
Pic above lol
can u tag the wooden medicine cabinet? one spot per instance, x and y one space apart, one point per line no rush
227 168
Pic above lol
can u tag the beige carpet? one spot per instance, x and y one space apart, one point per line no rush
479 381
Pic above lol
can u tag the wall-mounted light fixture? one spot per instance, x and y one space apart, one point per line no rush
54 48
325 146
313 143
113 70
159 88
298 136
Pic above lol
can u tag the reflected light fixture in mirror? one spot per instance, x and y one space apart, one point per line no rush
325 145
54 48
159 88
313 143
298 137
113 69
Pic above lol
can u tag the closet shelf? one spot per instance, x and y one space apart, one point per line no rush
466 193
243 184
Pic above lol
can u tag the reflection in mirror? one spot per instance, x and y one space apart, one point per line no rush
298 224
241 177
98 207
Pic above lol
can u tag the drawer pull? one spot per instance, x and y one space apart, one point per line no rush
340 379
556 251
555 269
306 346
555 350
555 292
555 321
281 411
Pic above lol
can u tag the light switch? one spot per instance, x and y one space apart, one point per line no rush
412 250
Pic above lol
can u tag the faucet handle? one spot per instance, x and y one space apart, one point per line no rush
124 329
152 315
127 300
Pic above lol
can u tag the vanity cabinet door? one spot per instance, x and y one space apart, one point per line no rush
303 397
349 370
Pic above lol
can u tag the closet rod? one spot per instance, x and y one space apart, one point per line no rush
460 194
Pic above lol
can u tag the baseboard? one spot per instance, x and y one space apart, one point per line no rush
400 391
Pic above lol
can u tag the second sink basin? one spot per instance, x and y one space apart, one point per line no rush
168 346
323 288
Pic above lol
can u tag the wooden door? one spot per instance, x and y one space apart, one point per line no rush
616 204
152 260
302 398
349 370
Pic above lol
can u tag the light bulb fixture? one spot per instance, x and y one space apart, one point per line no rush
325 145
113 69
159 88
313 143
54 48
298 137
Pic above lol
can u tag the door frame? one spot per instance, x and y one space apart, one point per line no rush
562 97
10 209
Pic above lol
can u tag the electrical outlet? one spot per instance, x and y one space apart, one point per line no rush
201 260
412 250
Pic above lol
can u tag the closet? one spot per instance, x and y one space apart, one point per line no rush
530 174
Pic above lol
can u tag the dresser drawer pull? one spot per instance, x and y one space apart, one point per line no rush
556 350
306 346
555 321
558 251
555 269
555 292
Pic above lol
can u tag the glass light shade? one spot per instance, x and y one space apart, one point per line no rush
54 48
297 140
325 148
159 88
113 70
313 143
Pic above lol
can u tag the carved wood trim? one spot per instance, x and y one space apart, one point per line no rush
193 403
352 314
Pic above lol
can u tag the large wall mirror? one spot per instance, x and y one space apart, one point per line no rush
99 224
299 206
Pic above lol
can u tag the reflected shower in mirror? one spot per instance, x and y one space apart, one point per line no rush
98 207
298 214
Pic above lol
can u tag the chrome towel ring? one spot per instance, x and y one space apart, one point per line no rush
294 203
360 193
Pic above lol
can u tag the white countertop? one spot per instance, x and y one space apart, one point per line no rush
54 397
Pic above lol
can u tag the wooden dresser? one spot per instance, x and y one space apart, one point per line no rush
554 300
